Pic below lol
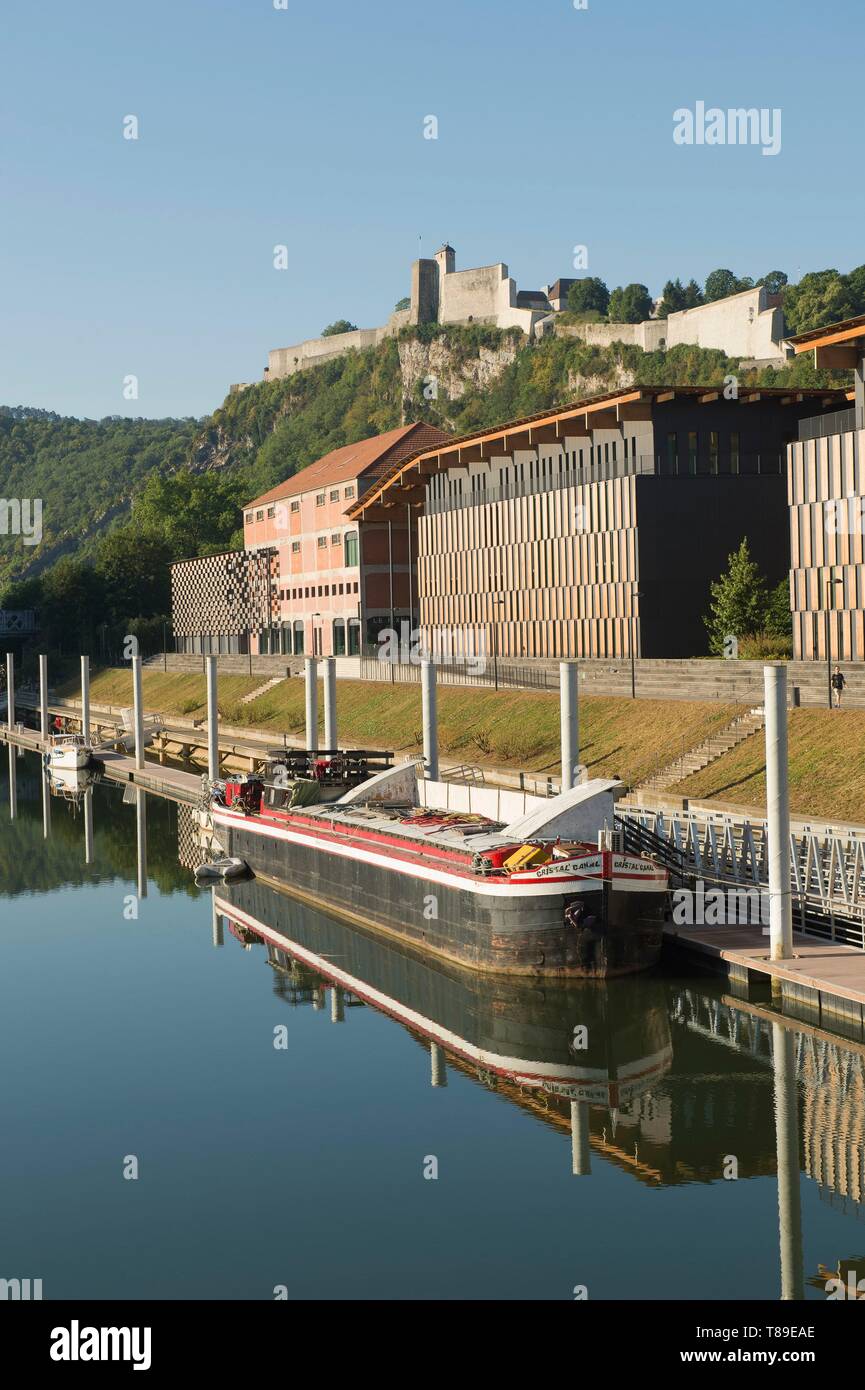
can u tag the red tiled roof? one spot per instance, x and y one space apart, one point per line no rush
354 460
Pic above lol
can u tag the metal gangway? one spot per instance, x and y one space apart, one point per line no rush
827 866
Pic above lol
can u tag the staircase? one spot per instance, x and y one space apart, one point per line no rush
706 753
261 690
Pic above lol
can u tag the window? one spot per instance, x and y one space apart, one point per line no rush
271 511
354 636
298 638
339 637
295 506
322 542
259 516
247 516
349 492
334 496
734 452
319 499
351 550
295 547
336 538
672 454
693 450
713 451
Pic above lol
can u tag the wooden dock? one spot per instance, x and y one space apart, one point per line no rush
824 978
171 782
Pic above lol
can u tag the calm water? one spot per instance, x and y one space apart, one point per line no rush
142 1028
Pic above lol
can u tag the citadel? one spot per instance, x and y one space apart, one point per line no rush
749 325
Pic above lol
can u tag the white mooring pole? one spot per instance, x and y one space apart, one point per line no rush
43 698
581 1153
212 720
330 734
138 712
438 1065
787 1150
569 698
85 697
778 814
430 719
10 690
311 670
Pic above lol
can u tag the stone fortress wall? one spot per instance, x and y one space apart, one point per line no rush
749 325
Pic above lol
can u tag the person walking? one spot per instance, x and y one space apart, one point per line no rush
838 683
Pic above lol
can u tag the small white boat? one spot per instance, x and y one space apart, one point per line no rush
69 751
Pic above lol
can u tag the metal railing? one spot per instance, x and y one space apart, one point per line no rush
483 670
640 465
839 422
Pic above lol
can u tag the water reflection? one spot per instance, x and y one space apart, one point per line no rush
662 1079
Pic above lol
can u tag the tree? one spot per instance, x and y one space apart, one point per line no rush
821 297
404 303
693 295
340 326
774 282
739 601
631 304
672 300
588 294
779 617
721 283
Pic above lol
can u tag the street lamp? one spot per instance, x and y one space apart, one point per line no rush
830 603
498 603
634 596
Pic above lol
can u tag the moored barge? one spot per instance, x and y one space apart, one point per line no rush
496 880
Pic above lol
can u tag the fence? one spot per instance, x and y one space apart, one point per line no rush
468 670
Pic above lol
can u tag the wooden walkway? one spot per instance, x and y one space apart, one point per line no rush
171 782
823 974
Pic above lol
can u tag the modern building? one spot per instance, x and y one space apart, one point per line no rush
308 579
826 494
595 530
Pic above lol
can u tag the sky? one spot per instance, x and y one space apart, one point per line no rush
303 126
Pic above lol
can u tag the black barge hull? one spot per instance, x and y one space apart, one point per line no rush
590 930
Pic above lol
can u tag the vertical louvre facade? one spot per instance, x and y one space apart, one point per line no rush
826 494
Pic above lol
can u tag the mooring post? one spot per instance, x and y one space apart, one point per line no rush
88 826
212 720
13 785
778 814
85 697
311 677
330 734
569 702
46 805
43 698
141 839
217 931
581 1153
430 719
438 1067
138 712
10 690
787 1154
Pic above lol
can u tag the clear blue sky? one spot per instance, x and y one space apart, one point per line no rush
304 127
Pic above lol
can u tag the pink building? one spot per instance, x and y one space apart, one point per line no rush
339 582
